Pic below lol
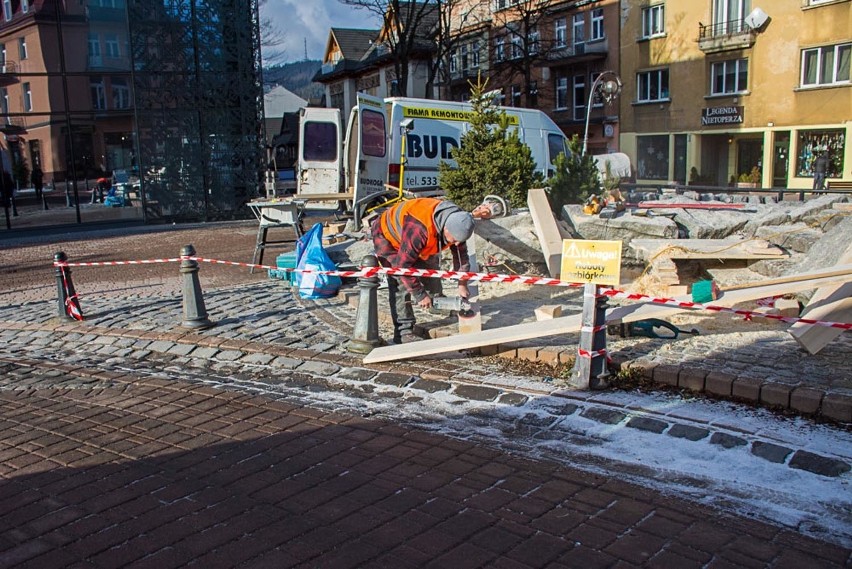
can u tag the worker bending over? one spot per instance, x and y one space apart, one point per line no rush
405 236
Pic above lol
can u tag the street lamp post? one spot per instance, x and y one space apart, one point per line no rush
610 85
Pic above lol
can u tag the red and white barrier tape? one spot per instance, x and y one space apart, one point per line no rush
595 354
480 277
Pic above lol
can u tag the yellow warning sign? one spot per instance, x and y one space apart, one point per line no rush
590 261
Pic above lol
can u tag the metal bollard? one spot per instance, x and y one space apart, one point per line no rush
592 372
365 335
194 312
65 290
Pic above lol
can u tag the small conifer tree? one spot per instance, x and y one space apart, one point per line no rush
576 177
492 159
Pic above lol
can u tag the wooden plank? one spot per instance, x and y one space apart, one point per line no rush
689 205
829 303
546 230
705 249
569 324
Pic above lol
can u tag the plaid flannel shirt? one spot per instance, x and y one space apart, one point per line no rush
414 239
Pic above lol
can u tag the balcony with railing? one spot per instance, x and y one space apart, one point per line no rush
724 36
8 73
586 51
13 126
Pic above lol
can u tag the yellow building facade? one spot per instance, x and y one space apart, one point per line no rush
716 91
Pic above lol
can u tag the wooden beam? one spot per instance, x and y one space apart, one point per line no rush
828 303
570 324
546 230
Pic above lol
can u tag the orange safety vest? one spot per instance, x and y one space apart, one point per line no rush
423 210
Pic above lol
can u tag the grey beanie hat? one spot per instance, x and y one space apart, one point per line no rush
460 225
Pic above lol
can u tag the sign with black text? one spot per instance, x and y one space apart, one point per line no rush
717 116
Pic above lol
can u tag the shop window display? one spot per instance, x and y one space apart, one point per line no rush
811 143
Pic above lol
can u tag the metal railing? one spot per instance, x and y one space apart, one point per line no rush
720 29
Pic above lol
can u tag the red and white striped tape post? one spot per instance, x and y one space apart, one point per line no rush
480 277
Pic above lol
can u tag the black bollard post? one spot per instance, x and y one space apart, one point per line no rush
590 369
65 290
365 335
194 312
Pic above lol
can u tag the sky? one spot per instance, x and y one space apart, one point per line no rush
310 20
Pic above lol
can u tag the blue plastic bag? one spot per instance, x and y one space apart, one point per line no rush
311 256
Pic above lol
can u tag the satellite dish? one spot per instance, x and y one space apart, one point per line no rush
756 19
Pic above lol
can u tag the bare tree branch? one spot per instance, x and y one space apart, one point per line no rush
271 38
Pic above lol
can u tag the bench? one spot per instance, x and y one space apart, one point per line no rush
840 185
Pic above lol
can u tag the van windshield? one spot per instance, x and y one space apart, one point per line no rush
556 144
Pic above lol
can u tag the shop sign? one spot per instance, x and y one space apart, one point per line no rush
712 116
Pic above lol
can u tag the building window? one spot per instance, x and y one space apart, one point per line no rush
454 62
515 96
7 9
96 86
561 93
22 48
827 65
28 98
729 77
579 29
652 154
474 55
111 46
534 40
4 103
652 86
3 55
499 49
517 48
94 46
813 142
25 6
728 16
120 94
597 31
654 21
560 32
532 96
579 97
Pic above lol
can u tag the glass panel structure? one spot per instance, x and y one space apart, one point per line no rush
161 98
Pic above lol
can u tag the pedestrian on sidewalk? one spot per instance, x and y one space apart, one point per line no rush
406 236
37 179
820 170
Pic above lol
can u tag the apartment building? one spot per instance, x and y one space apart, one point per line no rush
363 61
716 88
547 55
167 92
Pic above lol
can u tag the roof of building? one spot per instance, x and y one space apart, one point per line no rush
353 43
279 101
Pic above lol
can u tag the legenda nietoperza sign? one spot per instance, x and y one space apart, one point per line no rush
721 115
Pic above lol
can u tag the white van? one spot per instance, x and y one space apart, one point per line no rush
378 131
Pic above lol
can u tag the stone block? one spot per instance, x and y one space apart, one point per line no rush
817 464
727 441
746 388
787 307
837 406
771 452
666 374
688 432
692 379
719 383
548 312
776 394
806 400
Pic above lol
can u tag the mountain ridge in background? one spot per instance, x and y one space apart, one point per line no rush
295 77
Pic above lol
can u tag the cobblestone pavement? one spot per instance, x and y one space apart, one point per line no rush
129 441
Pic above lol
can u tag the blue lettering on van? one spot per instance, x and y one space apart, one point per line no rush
430 146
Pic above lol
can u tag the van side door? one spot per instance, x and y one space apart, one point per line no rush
371 158
320 162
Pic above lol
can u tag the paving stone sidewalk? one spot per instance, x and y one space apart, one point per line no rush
119 469
111 454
